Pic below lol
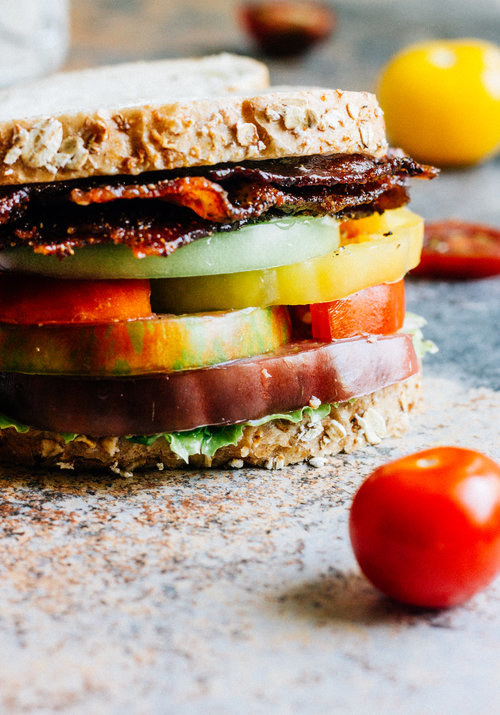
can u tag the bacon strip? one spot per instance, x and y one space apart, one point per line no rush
146 232
254 187
14 202
324 170
206 198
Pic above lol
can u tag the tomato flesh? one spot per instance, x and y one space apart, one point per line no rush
378 310
286 29
425 529
30 299
457 249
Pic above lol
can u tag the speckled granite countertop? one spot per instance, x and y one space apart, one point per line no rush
236 592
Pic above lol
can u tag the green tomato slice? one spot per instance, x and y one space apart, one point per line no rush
274 243
163 343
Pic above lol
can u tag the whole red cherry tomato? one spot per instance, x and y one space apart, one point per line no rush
425 529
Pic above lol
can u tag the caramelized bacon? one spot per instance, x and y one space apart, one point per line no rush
13 202
206 198
146 231
157 213
324 170
149 231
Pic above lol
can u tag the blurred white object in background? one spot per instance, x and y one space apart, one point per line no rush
34 38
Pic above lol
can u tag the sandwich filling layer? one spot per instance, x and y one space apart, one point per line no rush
246 279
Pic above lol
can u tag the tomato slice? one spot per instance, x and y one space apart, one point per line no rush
30 299
378 310
457 249
162 343
380 250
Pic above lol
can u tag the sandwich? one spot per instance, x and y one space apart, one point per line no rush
200 270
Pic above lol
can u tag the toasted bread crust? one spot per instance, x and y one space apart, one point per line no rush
366 420
227 128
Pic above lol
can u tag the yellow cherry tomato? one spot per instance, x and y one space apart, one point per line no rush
441 100
377 249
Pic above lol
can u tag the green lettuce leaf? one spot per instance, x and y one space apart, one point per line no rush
207 440
204 440
413 325
6 422
315 414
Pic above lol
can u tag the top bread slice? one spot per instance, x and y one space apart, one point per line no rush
133 118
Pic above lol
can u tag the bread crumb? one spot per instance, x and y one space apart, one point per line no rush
65 465
49 448
275 462
309 431
317 462
352 110
236 463
366 135
272 114
338 428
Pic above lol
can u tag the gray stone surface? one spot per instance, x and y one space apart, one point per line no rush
237 592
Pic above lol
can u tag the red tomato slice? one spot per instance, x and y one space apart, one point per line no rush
379 310
30 299
425 529
456 249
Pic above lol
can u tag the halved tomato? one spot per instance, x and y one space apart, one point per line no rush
456 249
378 310
32 300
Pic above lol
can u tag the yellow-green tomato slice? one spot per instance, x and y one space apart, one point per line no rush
363 260
163 343
263 245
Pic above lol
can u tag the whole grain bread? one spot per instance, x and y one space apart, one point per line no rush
366 420
174 114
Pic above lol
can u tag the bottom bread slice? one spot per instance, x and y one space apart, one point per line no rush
275 444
